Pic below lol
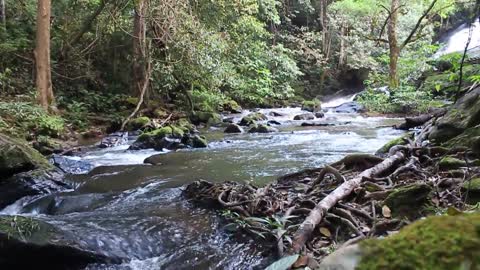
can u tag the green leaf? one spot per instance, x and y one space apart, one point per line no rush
283 263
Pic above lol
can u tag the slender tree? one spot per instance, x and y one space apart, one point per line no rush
139 47
42 55
3 16
395 47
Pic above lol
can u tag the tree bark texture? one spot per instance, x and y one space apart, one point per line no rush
42 55
394 81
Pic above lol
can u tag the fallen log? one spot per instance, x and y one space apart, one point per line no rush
306 229
413 122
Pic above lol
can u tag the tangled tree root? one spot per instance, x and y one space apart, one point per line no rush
314 210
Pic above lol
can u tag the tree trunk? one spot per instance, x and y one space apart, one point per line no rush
42 56
342 54
306 229
139 47
394 80
3 14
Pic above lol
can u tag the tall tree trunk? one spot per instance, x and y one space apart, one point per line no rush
139 47
394 80
342 58
42 56
3 14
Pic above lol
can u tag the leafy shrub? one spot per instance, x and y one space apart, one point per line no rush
26 116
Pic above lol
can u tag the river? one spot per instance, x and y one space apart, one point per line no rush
134 211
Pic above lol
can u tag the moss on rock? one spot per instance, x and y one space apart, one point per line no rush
407 201
138 123
402 140
470 138
231 106
17 156
252 118
209 118
451 163
312 105
440 243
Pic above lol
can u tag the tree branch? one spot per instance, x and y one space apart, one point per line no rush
419 22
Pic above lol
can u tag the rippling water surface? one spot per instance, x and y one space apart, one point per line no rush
135 211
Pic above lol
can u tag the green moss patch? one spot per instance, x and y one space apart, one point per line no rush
409 200
440 243
312 105
449 163
138 123
398 141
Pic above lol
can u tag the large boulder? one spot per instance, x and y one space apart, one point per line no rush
312 105
27 243
168 137
262 129
209 118
234 128
438 242
231 106
252 118
462 116
17 156
304 116
349 107
25 172
138 123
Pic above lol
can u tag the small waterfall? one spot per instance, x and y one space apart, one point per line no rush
338 101
457 39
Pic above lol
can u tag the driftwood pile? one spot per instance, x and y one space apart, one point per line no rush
316 210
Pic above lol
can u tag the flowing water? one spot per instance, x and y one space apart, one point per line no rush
135 211
457 40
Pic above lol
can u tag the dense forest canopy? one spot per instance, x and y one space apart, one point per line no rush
201 54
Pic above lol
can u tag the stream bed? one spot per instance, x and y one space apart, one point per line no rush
134 211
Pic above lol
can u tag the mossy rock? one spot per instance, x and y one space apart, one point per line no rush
138 123
464 114
407 201
470 138
402 140
168 131
252 118
160 113
209 118
47 146
451 163
231 106
132 101
199 142
312 105
439 242
472 185
17 156
185 125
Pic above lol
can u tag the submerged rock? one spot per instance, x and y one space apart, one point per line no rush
70 165
319 114
316 124
304 116
252 118
27 243
273 122
438 242
276 114
234 128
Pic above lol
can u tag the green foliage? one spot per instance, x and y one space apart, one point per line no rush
24 116
406 99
